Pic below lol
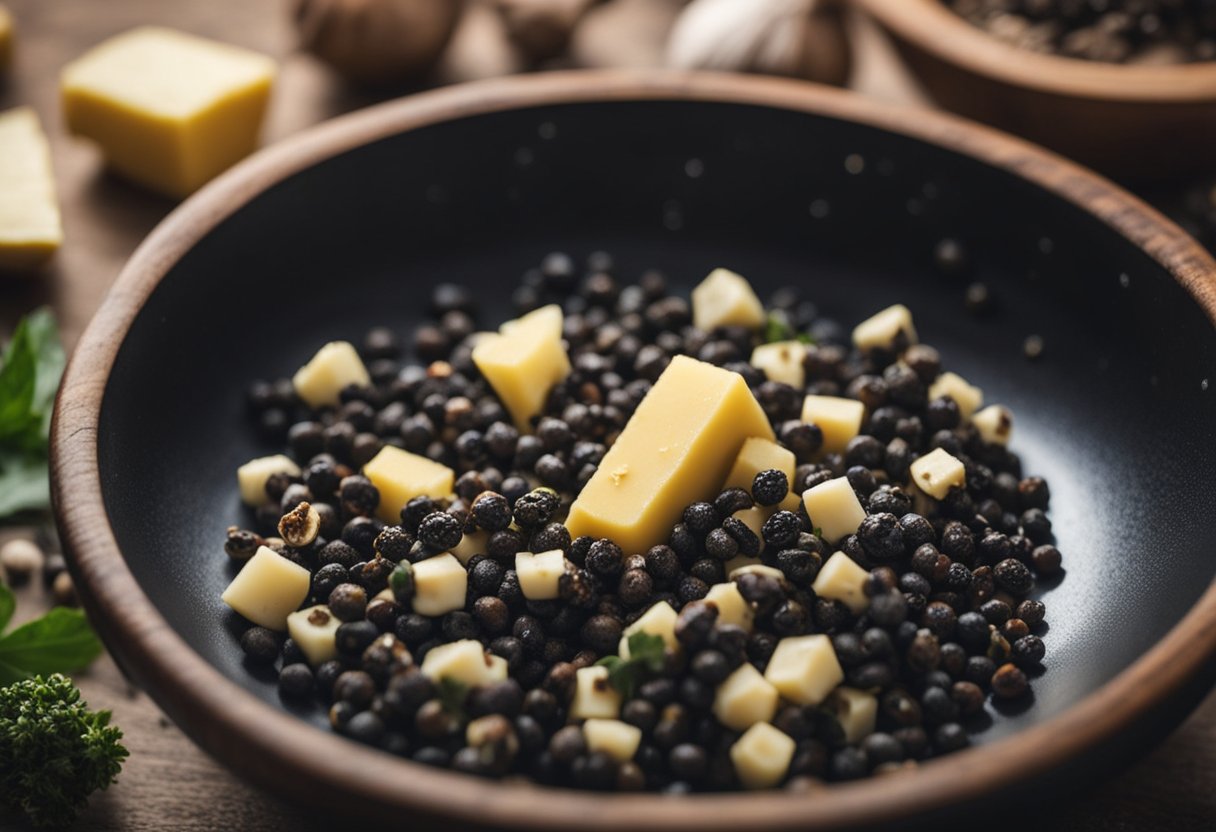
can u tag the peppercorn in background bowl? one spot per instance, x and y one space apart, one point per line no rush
350 225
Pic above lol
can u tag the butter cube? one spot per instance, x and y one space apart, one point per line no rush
30 229
252 476
937 472
594 697
524 361
889 329
724 298
781 361
841 579
745 698
804 669
6 38
539 573
834 508
619 740
758 455
169 110
465 661
677 447
994 423
659 620
967 397
732 607
839 419
855 710
314 630
473 543
753 518
440 584
268 588
400 476
762 756
335 366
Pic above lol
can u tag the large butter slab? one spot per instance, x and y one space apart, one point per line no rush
523 361
30 228
675 450
400 476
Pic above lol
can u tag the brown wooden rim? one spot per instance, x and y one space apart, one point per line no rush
935 29
271 747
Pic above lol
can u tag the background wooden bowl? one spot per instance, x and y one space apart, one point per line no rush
1139 123
348 224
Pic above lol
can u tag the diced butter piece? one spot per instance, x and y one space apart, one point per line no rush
268 588
524 361
473 543
745 698
756 569
834 508
313 630
855 710
841 579
937 472
758 455
400 476
539 573
252 476
168 109
440 584
6 38
994 423
724 298
804 669
884 330
619 740
335 366
762 756
732 607
781 361
465 661
675 450
839 419
659 620
753 518
968 397
594 697
30 228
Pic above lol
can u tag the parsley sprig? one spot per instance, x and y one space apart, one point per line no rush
645 660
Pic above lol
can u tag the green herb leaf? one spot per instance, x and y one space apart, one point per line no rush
818 532
777 327
8 603
24 482
805 338
645 659
59 641
452 695
647 650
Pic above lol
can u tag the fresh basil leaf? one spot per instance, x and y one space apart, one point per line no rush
17 384
452 695
59 642
776 328
8 603
43 337
647 650
24 482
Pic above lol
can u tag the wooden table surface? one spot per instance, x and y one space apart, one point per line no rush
168 783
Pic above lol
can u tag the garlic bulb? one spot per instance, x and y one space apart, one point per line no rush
377 41
800 38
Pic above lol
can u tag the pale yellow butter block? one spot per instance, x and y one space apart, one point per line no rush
733 608
252 476
594 697
268 588
465 661
335 366
839 419
30 227
440 584
968 397
994 423
659 620
169 110
314 630
745 698
804 669
758 455
762 756
885 328
841 579
539 573
619 740
781 361
937 472
524 361
677 447
855 710
724 298
834 508
400 476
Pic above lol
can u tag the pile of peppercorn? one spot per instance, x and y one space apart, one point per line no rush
948 622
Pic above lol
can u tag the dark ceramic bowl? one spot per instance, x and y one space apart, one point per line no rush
350 224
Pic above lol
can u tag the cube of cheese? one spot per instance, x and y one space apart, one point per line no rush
841 579
745 698
314 631
968 397
675 450
30 228
724 298
756 455
855 710
473 543
524 361
252 476
594 697
619 740
732 607
465 661
804 669
659 620
400 476
834 508
839 419
169 110
6 38
753 518
781 361
937 472
268 588
539 573
994 423
762 756
889 329
335 366
440 584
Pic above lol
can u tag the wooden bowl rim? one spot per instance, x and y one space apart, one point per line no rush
933 28
278 751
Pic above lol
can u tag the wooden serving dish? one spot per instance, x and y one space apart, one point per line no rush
1140 123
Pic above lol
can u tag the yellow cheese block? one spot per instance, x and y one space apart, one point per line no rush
268 588
762 756
252 476
440 585
745 698
400 476
855 710
314 631
725 299
619 740
758 455
168 109
524 361
675 450
733 608
6 38
994 423
30 229
842 579
540 573
781 361
335 366
885 328
937 472
968 397
804 669
659 620
838 418
834 508
465 661
594 697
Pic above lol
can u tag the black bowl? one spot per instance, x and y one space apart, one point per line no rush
350 225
